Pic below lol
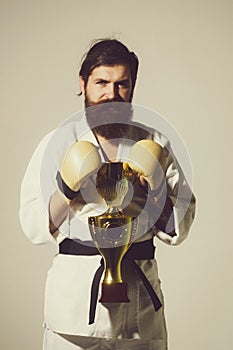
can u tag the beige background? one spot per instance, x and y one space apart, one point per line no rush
186 55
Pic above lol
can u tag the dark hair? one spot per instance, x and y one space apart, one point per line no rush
109 52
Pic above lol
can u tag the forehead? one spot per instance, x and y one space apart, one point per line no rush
115 72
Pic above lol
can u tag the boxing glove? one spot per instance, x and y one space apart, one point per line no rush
148 159
81 160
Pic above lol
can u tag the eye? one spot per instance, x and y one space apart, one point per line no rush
123 84
101 82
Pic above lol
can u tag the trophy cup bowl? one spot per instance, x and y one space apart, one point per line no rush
113 231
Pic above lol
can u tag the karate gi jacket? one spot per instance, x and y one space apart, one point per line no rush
68 286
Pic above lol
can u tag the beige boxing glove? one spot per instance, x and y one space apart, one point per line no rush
81 160
147 158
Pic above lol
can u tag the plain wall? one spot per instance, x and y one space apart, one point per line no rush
186 55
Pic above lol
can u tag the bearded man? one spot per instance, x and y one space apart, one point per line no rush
58 195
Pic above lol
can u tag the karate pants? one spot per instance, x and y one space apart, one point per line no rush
55 341
135 325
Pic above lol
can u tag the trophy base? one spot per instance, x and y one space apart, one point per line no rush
114 293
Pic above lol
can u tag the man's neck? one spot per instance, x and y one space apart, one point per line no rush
109 147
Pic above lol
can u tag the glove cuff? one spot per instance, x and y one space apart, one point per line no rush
64 188
158 191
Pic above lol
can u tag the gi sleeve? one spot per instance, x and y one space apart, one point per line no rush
33 211
177 216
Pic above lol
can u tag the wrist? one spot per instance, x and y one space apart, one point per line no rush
65 190
157 190
64 198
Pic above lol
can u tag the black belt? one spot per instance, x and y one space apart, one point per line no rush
138 251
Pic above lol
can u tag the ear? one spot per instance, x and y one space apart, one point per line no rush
82 85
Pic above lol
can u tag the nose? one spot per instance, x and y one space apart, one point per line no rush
111 91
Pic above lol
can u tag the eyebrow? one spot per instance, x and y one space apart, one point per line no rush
122 81
100 79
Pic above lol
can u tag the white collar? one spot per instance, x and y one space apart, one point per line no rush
84 133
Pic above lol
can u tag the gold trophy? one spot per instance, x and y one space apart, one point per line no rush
113 231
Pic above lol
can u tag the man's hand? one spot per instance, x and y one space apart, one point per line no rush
80 161
148 159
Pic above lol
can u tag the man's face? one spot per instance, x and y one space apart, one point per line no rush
105 88
108 83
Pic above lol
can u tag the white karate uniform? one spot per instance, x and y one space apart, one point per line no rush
134 325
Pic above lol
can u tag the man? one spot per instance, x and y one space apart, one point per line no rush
59 195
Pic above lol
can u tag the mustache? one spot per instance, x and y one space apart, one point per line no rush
116 99
114 110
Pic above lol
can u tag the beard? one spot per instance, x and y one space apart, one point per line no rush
110 118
